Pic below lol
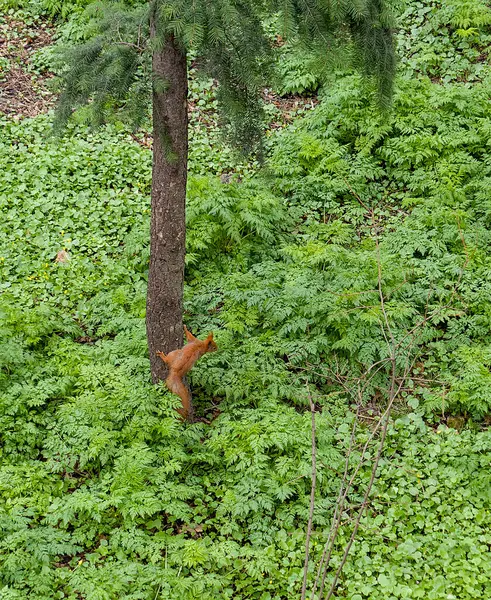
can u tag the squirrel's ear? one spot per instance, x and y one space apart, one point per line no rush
210 336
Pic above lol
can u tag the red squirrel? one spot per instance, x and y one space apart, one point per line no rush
180 362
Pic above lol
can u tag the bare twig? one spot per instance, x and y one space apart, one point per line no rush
398 376
136 46
129 45
356 196
383 424
336 520
312 497
394 391
343 495
369 486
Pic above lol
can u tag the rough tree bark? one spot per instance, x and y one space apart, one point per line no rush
168 220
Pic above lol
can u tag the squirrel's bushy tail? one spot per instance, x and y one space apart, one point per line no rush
181 389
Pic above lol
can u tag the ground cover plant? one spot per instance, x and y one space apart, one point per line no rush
106 495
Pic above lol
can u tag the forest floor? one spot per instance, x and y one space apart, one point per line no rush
104 494
24 90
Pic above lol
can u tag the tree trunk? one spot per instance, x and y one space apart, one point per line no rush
168 220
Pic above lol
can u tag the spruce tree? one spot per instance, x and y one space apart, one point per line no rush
140 50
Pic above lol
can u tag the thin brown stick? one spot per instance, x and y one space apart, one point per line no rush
369 487
312 497
356 196
396 348
389 338
343 492
336 520
361 462
385 419
386 324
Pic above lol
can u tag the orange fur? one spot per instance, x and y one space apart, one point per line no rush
180 362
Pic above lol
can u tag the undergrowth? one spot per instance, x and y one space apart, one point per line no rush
106 495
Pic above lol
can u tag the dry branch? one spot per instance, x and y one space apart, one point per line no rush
312 496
